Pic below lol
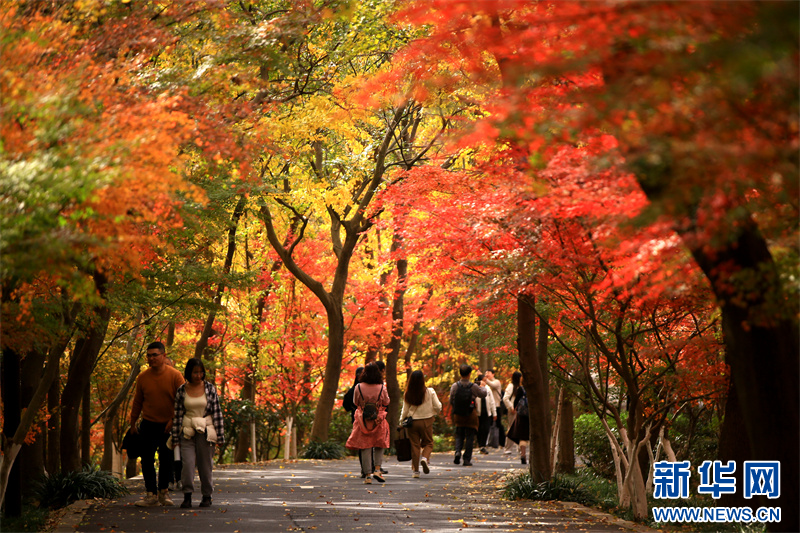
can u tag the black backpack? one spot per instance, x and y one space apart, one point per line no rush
370 409
522 403
463 401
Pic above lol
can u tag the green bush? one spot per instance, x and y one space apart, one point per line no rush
591 444
561 488
324 450
59 490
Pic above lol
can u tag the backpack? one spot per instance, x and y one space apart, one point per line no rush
522 404
370 409
463 401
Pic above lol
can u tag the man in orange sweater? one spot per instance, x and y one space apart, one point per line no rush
154 400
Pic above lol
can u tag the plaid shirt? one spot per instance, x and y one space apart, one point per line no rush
212 409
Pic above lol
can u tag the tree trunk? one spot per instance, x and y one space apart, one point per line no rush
392 385
535 386
83 360
86 425
54 426
565 459
201 348
31 456
763 358
12 407
333 370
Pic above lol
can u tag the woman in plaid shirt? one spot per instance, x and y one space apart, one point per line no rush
197 428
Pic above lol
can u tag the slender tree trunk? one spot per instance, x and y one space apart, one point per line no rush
31 456
12 407
78 378
54 426
535 386
201 348
565 459
333 370
392 385
86 425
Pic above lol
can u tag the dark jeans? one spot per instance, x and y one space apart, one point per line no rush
154 439
484 423
499 424
465 437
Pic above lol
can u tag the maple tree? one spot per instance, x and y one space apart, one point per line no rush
702 100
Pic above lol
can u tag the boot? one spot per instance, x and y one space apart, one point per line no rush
164 499
187 500
523 454
150 500
206 501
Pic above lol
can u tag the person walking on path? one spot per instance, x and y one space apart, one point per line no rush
370 434
154 399
197 427
421 404
496 387
465 416
519 429
347 401
487 414
510 447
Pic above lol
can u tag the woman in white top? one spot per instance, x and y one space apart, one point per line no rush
197 427
421 404
486 416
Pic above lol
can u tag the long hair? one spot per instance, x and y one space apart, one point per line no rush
371 375
516 380
415 390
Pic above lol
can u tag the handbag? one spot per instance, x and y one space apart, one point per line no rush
402 445
406 423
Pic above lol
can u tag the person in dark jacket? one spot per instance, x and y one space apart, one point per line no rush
347 402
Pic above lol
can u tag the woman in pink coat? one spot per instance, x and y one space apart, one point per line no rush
370 436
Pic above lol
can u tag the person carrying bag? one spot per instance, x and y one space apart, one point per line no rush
420 404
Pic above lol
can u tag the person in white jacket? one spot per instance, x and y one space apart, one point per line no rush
421 404
487 414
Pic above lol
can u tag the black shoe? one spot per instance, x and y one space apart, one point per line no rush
467 463
187 500
484 451
206 501
383 471
457 459
524 460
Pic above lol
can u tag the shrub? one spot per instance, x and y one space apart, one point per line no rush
561 488
59 490
591 444
324 450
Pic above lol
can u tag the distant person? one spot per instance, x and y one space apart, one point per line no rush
197 428
519 429
421 404
370 434
382 367
154 399
496 386
465 416
508 405
177 465
347 401
487 414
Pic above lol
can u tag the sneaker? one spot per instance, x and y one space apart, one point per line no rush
383 471
507 452
150 500
377 476
163 498
457 459
368 479
484 452
415 475
424 463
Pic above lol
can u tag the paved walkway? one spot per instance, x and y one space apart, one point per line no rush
327 496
